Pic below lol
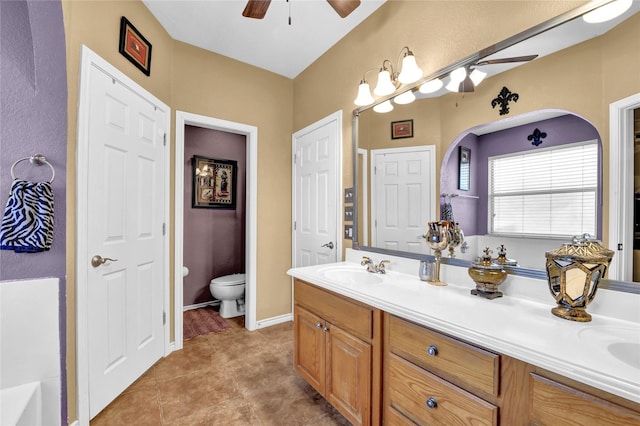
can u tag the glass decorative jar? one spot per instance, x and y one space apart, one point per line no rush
488 276
573 273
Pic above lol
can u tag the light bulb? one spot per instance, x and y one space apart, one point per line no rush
458 74
477 76
405 98
384 86
410 70
607 12
364 95
383 107
431 86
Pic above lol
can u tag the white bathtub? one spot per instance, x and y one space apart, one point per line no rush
30 374
21 405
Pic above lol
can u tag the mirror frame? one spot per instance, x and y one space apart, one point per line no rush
441 73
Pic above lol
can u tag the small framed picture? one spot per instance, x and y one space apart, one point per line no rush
464 168
402 129
214 183
134 46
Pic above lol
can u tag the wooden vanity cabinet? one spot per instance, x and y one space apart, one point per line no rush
337 351
554 403
433 379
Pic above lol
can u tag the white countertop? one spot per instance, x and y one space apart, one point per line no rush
603 353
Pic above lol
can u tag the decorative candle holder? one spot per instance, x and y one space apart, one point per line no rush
456 237
502 258
573 272
487 276
437 240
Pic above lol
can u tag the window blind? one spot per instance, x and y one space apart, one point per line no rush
550 192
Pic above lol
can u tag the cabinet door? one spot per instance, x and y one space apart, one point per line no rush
348 377
309 347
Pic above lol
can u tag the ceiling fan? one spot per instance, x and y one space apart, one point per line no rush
258 8
467 85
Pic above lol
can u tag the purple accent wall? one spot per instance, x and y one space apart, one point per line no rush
33 120
214 239
472 213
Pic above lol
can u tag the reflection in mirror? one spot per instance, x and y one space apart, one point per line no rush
559 97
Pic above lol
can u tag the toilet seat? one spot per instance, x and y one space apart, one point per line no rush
233 279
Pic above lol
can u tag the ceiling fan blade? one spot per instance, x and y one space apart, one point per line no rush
507 60
256 9
344 7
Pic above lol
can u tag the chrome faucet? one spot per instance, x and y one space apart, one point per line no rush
372 267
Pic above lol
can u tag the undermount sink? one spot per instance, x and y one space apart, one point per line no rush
622 343
350 275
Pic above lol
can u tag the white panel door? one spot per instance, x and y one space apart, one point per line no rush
125 223
402 197
316 202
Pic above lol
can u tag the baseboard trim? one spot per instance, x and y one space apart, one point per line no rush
274 321
201 305
74 423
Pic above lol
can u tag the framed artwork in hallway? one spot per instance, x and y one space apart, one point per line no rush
134 46
214 183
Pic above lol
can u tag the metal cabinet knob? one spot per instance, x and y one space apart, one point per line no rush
98 260
318 325
432 350
325 329
432 403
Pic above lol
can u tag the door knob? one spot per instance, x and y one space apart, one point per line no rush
98 260
329 244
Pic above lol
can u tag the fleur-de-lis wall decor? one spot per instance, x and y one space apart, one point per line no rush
504 97
536 137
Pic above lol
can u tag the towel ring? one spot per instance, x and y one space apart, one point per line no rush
36 159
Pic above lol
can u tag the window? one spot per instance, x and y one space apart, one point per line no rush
545 193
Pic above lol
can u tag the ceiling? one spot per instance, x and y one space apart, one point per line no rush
270 43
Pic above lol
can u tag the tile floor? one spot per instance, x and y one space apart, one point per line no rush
234 377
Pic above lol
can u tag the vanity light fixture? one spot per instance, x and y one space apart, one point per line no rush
405 98
389 79
383 107
431 86
607 12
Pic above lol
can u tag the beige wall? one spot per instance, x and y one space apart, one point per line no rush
196 81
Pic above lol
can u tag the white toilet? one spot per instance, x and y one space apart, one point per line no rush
229 289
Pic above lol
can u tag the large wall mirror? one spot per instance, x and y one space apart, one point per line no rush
562 106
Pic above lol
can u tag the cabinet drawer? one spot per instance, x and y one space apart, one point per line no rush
463 364
347 314
553 403
410 387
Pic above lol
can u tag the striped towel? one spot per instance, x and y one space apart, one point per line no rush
27 224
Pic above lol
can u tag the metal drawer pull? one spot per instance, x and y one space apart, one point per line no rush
432 403
432 351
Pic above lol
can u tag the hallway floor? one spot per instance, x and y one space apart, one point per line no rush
233 377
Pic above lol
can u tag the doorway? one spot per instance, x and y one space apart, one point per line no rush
316 192
621 186
251 133
403 184
122 257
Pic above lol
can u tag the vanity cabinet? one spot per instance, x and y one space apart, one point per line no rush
555 403
431 378
337 351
